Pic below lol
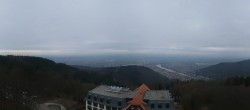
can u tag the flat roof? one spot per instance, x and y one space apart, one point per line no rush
149 95
157 95
103 90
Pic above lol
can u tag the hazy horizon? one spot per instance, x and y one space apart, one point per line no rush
62 28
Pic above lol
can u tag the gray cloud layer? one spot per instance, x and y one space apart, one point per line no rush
86 27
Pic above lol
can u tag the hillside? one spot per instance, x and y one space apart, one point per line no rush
25 81
133 75
225 70
30 80
126 75
47 80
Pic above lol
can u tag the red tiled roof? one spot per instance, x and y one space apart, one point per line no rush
138 98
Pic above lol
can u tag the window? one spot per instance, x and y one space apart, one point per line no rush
95 98
89 102
101 106
108 108
167 105
95 104
89 108
152 106
159 105
89 97
114 108
101 99
108 101
95 109
119 103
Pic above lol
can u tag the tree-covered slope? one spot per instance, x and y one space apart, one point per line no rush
25 80
133 75
225 70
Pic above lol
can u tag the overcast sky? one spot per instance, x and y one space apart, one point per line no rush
97 27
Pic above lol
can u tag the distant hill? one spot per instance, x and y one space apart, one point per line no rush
45 77
36 70
33 63
225 70
128 75
134 75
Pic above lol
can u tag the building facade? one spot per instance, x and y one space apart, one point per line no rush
118 98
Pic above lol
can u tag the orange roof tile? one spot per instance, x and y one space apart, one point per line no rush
138 98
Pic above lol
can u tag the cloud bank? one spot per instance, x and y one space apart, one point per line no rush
97 27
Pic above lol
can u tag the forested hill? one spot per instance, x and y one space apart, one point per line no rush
32 63
25 80
225 70
129 75
46 79
36 69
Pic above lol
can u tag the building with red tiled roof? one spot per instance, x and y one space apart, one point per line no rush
137 101
119 98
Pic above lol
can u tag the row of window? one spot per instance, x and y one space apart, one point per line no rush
96 105
108 101
160 105
107 108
